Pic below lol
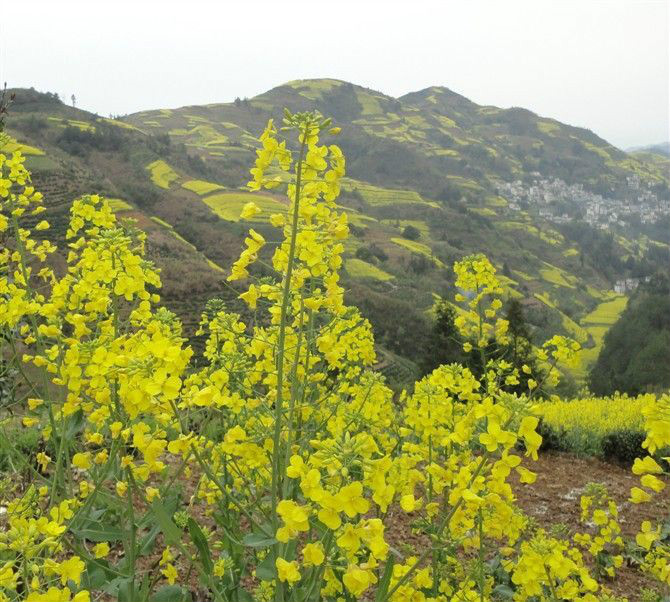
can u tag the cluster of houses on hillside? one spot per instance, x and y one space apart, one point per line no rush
551 197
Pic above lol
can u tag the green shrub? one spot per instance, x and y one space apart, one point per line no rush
553 439
623 446
17 443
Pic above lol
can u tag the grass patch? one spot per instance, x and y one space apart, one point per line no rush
162 174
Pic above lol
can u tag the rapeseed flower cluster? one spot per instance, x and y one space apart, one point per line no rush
651 538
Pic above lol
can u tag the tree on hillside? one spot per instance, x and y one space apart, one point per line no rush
5 101
444 345
519 350
411 232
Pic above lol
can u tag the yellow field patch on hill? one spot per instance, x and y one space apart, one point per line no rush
608 311
357 218
368 102
117 205
215 266
84 126
420 225
357 268
445 152
598 150
496 201
202 135
485 211
161 173
13 146
523 275
314 89
201 186
419 248
576 331
548 127
445 121
374 195
229 205
121 124
556 276
586 422
417 121
464 182
172 231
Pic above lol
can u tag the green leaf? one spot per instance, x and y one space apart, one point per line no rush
115 586
266 570
244 596
258 540
124 594
201 544
147 543
382 588
74 424
504 591
96 576
170 593
93 531
172 533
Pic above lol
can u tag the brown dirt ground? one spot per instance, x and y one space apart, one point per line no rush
552 499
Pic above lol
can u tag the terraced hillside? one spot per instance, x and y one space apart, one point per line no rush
423 189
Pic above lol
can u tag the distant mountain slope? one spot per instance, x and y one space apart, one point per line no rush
662 149
435 130
432 160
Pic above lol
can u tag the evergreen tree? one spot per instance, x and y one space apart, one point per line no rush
444 344
519 350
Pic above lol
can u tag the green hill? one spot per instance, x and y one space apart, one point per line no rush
431 159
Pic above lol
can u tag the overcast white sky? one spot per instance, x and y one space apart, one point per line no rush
601 64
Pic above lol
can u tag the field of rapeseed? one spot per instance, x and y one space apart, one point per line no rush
269 469
609 426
